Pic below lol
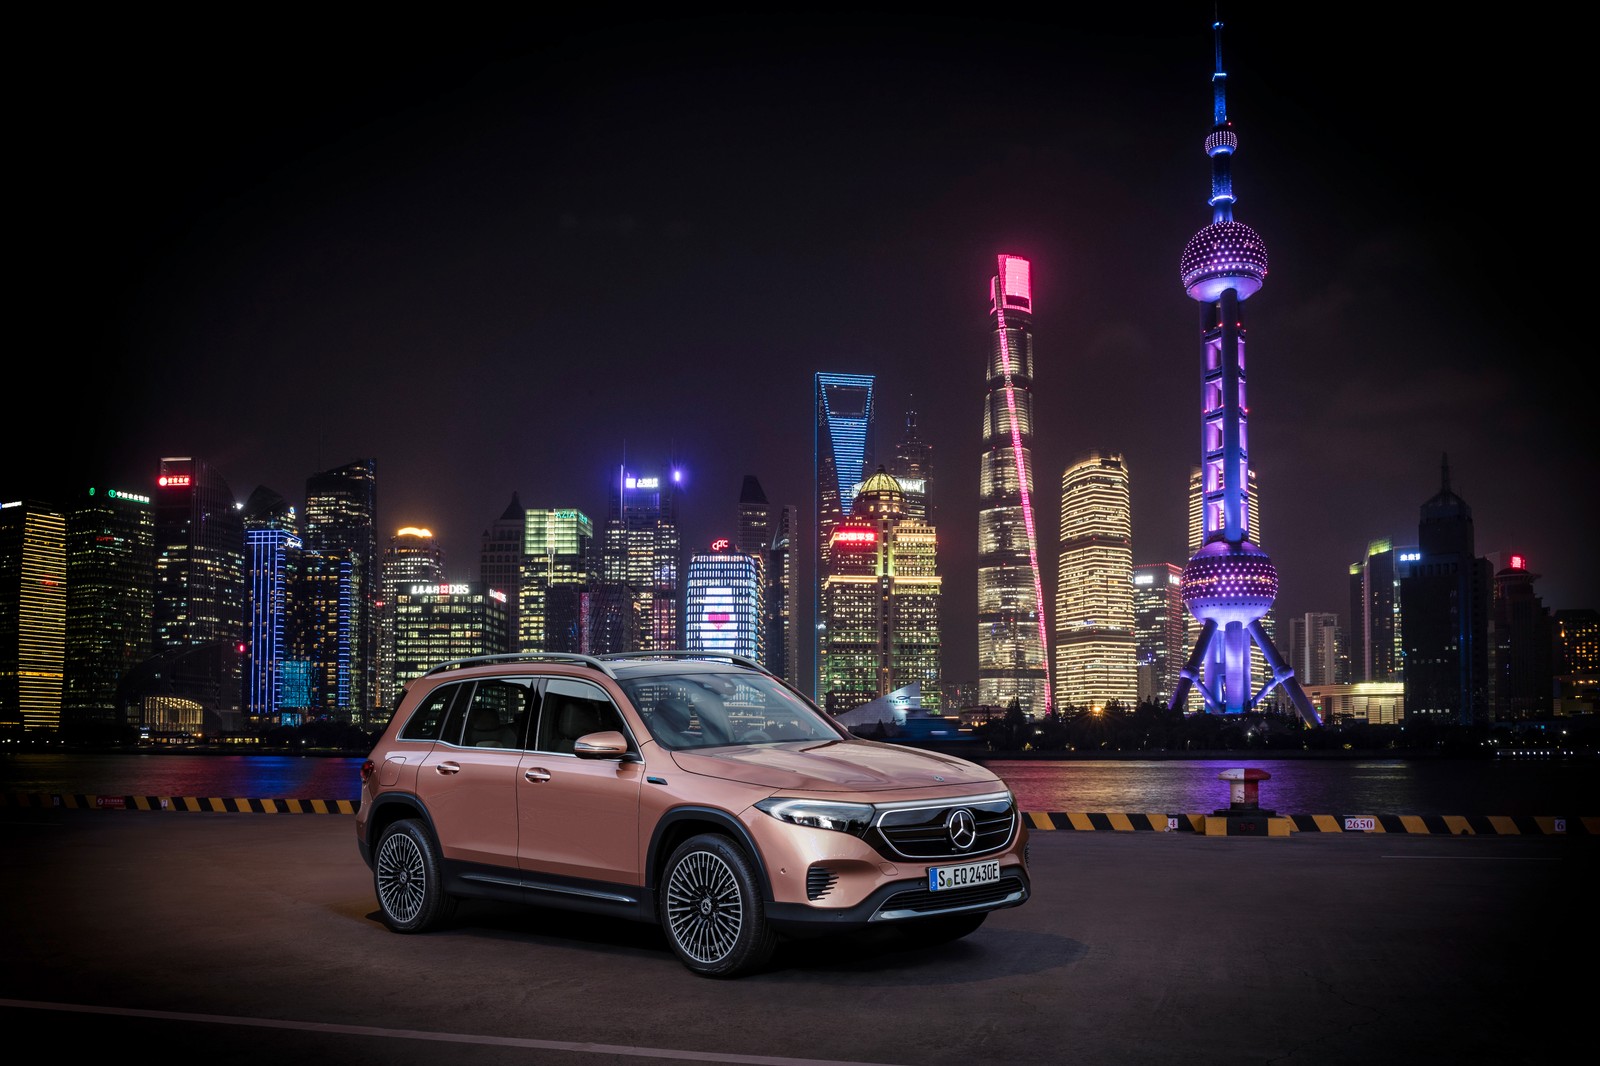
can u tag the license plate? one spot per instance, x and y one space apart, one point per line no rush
973 873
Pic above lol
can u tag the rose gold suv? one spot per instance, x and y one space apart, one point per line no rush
698 792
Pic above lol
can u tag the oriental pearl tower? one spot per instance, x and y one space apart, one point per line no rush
1230 583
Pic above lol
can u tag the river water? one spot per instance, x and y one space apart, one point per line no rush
1564 787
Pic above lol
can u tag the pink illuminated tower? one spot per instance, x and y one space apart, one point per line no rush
1013 654
1230 583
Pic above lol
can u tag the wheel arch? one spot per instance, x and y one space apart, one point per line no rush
392 807
681 823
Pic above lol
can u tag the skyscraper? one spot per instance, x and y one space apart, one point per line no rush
501 562
1522 679
1575 651
1013 650
912 466
1230 583
110 582
1157 628
272 564
640 562
880 603
1095 645
33 615
558 569
412 559
1375 609
765 533
725 602
437 623
783 632
1444 626
843 453
1316 648
341 543
196 682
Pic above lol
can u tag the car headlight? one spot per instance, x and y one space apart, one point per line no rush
852 818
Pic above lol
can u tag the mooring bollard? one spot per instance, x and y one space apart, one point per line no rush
1243 815
1244 789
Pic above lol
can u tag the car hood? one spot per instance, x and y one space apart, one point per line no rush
835 766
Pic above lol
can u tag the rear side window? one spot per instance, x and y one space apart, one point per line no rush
427 722
498 715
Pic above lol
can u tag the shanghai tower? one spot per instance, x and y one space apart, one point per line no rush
1230 583
1013 658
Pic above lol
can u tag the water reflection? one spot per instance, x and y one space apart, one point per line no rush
1556 787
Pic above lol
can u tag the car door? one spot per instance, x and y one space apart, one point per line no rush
469 780
578 818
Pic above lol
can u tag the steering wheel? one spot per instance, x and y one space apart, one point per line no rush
754 736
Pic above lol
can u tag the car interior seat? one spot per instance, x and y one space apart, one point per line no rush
576 719
485 730
670 723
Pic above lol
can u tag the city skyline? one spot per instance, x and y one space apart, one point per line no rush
472 260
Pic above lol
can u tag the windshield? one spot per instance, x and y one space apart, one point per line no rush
707 710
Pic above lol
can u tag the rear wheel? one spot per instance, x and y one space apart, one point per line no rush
711 908
931 932
407 876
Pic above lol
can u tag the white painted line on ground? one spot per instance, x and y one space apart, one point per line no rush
417 1034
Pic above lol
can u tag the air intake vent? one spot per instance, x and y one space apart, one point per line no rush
819 882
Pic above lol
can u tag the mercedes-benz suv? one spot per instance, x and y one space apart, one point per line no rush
697 792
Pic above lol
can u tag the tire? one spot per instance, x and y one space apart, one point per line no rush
931 932
711 908
409 882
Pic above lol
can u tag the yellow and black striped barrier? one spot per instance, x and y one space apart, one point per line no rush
1246 823
1233 824
218 805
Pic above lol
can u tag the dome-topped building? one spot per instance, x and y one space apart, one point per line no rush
880 496
878 627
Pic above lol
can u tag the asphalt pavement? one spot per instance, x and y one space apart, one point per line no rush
252 938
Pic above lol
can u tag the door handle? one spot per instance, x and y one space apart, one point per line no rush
446 768
536 773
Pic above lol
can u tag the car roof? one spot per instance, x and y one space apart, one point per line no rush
616 666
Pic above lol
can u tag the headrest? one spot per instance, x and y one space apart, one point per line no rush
577 719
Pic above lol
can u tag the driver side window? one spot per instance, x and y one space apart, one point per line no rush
573 709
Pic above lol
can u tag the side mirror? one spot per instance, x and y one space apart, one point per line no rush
608 744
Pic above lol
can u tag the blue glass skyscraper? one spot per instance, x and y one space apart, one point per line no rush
844 457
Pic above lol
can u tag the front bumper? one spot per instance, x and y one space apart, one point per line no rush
901 901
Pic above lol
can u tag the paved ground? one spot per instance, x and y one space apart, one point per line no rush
249 938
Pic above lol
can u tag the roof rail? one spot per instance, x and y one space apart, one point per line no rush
522 657
737 660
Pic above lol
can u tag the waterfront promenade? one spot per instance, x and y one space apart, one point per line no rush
242 938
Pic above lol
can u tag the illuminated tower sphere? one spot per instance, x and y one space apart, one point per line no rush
1229 584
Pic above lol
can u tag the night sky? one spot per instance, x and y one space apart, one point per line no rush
509 254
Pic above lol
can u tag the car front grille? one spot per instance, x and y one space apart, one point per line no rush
924 832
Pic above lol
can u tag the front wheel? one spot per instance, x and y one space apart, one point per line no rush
711 908
407 876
